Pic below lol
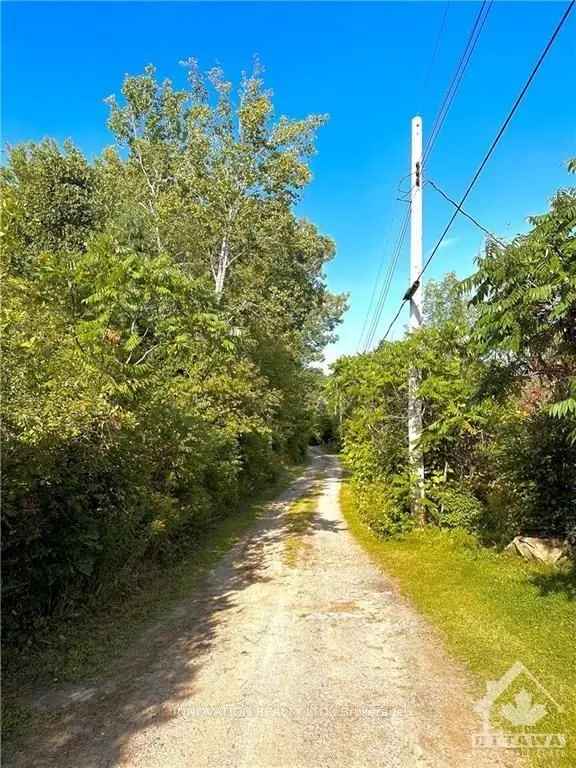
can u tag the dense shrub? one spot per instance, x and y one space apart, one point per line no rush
497 379
535 488
384 506
455 507
162 309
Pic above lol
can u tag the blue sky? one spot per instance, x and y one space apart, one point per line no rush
363 63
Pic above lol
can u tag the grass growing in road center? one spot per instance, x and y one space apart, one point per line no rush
78 650
298 519
492 611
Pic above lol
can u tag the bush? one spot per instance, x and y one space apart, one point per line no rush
534 487
384 506
147 394
455 506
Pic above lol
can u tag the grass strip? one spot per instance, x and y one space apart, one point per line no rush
299 517
492 610
82 648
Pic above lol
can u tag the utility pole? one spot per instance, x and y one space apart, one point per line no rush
415 295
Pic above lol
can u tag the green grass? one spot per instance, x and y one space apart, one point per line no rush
298 518
492 610
82 648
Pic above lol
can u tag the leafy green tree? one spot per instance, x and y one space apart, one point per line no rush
225 168
446 302
525 299
53 204
162 308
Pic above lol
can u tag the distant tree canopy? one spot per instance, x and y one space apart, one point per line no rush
497 356
162 308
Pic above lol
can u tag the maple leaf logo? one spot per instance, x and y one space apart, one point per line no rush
523 712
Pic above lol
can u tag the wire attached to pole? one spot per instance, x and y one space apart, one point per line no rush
466 214
490 151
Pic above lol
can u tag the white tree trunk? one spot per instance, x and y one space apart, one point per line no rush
220 273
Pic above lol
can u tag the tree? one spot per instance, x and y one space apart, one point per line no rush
162 307
53 203
525 299
226 168
446 302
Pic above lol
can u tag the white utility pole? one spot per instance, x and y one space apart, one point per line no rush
415 294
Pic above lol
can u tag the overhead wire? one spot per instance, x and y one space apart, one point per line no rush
457 77
370 304
376 283
385 290
491 235
370 326
486 157
436 48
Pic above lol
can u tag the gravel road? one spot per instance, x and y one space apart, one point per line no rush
304 661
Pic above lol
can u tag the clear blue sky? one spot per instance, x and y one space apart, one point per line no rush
365 64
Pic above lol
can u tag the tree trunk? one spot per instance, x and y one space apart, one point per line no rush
220 275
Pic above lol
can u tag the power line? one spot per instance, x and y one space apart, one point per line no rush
376 283
464 213
397 315
387 277
439 120
436 47
388 282
471 43
385 288
457 77
500 133
372 297
487 156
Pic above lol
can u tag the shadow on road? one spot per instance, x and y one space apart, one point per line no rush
91 726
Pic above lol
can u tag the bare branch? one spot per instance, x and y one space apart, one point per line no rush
145 355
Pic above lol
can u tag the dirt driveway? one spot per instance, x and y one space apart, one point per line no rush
274 662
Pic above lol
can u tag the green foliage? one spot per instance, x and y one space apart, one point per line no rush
325 423
36 174
142 401
491 610
447 302
374 391
525 294
384 506
496 362
536 480
525 297
453 506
